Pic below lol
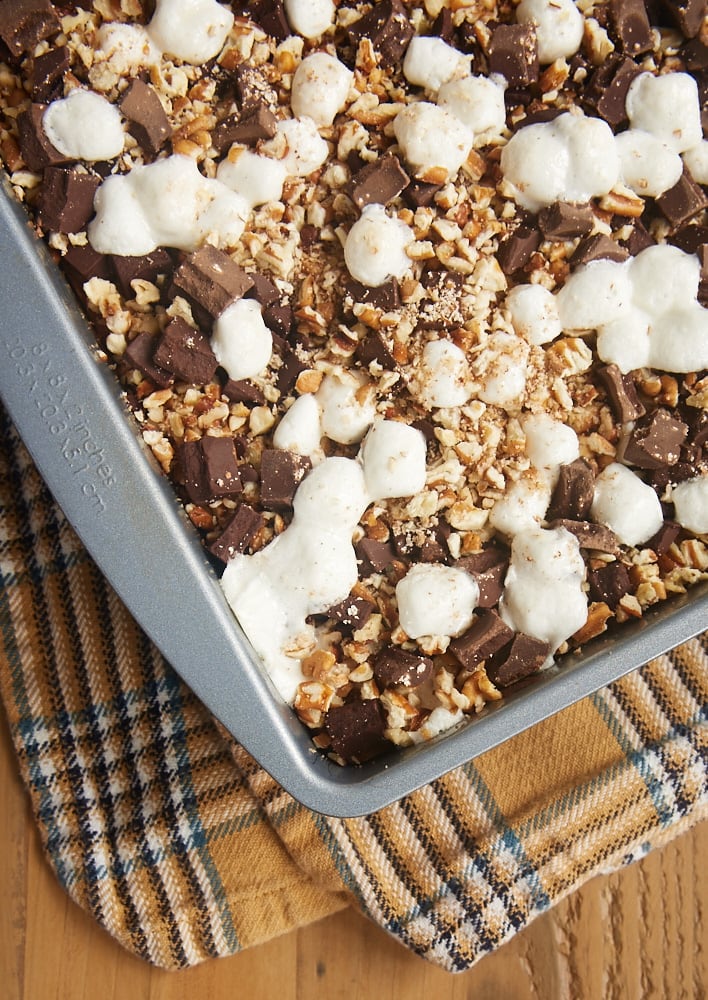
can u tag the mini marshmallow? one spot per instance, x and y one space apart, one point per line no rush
192 30
522 507
679 339
434 142
320 87
648 166
241 341
549 444
696 160
84 126
127 47
594 294
478 102
501 370
625 341
442 378
348 405
332 496
310 18
534 313
436 600
258 179
306 151
375 247
559 27
300 429
663 278
430 62
690 500
668 107
393 455
626 505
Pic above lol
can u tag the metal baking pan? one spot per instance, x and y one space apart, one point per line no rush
70 413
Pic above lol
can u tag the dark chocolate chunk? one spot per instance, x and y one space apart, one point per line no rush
388 28
516 250
386 297
186 353
147 120
147 267
24 23
590 535
695 56
48 72
139 354
655 440
37 151
435 548
396 667
564 220
207 469
513 53
443 27
290 368
683 201
211 280
237 534
263 290
488 567
526 656
609 583
621 393
353 612
631 28
80 263
690 238
665 537
420 194
253 89
373 556
374 348
66 199
573 493
703 280
281 474
188 470
606 93
243 391
279 318
378 182
245 130
485 636
598 247
687 15
697 421
356 730
639 239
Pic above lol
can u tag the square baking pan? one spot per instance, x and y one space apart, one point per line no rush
70 412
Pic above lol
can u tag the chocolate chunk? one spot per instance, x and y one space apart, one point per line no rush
598 247
290 368
655 440
208 468
238 533
443 27
513 53
621 393
373 348
420 194
387 26
279 318
243 391
211 280
703 280
606 93
690 238
48 72
353 612
695 56
687 15
631 28
186 353
244 130
147 267
590 535
485 636
564 220
609 583
356 730
573 493
526 656
683 201
66 199
281 474
396 667
263 290
147 120
24 23
253 90
80 263
435 548
386 297
697 421
378 182
639 239
37 151
516 250
373 556
488 567
665 537
139 354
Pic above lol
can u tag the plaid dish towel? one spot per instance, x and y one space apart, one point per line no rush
175 840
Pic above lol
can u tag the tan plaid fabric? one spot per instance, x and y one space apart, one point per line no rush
183 848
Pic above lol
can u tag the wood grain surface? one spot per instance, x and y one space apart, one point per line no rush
638 933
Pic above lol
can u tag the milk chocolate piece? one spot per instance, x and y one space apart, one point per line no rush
48 72
396 667
573 493
695 56
374 556
290 368
378 182
631 28
606 93
564 220
281 474
243 391
388 28
655 440
420 194
621 393
639 239
211 280
356 730
238 533
590 535
374 348
24 23
488 567
609 584
253 89
186 353
516 250
207 469
245 130
263 290
147 120
37 151
443 27
665 537
526 656
147 267
66 199
385 297
690 238
353 612
683 201
487 635
513 53
139 354
687 15
598 247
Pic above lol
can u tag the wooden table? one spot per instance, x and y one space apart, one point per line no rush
638 933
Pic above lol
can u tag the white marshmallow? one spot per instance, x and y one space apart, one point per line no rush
241 341
306 151
549 444
258 179
501 370
127 47
443 376
478 102
667 106
439 721
393 455
626 505
84 126
347 402
320 87
333 496
594 294
430 62
663 278
678 339
625 341
432 140
436 600
534 313
522 507
310 18
192 30
300 429
696 160
559 27
375 247
648 166
690 500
